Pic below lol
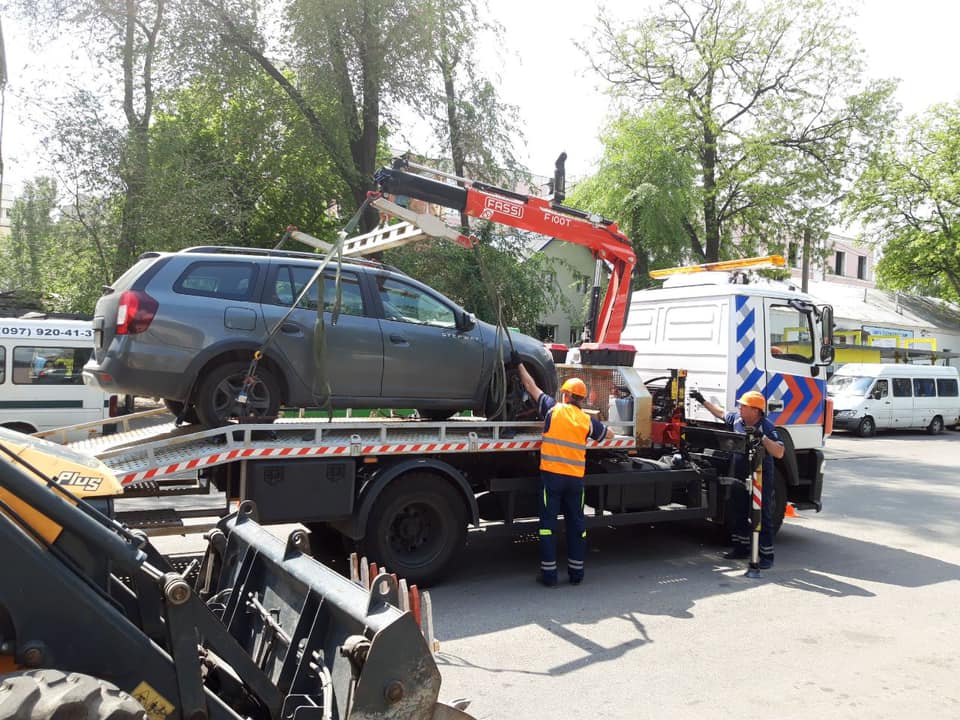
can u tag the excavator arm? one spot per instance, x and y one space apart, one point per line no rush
526 212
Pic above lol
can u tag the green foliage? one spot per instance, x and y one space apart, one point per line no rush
771 100
909 201
506 271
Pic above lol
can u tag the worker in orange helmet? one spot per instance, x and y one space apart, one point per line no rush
563 456
751 419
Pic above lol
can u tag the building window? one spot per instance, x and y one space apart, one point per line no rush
838 263
862 267
575 334
546 333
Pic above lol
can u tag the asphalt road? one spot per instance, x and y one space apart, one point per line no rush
860 617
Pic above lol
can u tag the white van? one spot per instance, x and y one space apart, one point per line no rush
869 396
41 380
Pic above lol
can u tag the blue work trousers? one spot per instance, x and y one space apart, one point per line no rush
561 492
740 506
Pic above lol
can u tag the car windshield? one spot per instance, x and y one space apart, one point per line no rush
849 385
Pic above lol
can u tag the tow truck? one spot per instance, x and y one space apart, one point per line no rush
409 490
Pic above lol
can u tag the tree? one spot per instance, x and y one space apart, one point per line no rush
31 235
909 201
766 94
645 183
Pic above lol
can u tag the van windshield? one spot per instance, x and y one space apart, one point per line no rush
849 385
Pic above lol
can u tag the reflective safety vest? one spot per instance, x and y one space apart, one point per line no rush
564 447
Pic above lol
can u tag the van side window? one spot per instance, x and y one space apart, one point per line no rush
924 387
791 335
880 390
901 387
49 365
3 365
946 387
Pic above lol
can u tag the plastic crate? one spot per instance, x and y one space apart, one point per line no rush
559 352
597 354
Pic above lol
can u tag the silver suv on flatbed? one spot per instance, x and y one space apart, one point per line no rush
183 326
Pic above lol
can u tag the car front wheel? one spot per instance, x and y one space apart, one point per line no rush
218 402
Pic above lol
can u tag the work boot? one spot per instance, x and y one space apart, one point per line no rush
765 563
541 580
737 553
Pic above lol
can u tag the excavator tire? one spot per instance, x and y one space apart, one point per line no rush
55 695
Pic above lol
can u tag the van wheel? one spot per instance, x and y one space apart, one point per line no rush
867 427
216 401
417 527
44 694
20 428
936 425
175 407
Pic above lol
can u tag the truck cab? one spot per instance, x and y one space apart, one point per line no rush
733 336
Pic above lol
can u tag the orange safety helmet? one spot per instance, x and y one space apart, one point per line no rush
753 399
574 386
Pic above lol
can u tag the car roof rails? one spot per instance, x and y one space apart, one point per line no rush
265 252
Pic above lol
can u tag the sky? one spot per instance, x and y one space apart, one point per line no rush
548 78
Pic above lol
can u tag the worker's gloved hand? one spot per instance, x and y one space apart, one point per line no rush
698 396
514 359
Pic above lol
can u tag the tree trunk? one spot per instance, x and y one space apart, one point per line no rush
711 225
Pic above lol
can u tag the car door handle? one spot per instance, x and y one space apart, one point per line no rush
399 340
775 407
291 329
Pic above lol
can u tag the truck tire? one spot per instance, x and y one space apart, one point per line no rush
417 527
216 400
779 500
867 427
55 695
936 425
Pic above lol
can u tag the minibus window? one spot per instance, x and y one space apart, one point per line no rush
947 387
924 387
901 387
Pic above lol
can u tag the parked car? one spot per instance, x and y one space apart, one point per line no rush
872 396
184 326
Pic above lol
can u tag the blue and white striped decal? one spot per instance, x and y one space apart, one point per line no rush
747 370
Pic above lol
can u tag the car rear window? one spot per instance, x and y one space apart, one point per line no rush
227 280
901 387
126 281
947 387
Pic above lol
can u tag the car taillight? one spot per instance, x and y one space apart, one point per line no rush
135 312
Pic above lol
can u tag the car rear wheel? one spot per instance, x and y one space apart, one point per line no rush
217 397
45 694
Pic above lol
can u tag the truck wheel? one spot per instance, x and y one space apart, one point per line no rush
417 527
216 401
175 407
936 425
55 695
867 427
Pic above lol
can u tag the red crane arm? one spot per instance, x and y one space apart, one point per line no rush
527 212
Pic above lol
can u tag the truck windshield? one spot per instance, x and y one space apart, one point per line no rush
849 385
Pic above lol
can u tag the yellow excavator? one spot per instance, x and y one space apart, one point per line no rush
96 624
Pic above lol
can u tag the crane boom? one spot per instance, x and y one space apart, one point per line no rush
526 212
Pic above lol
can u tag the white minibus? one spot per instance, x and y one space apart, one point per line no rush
41 380
871 396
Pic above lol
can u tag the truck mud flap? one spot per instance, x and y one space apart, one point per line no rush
324 641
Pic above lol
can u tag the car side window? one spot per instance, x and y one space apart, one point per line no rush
290 281
946 387
407 303
879 390
924 387
227 280
901 387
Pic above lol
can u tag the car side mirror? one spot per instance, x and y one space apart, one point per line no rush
465 320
